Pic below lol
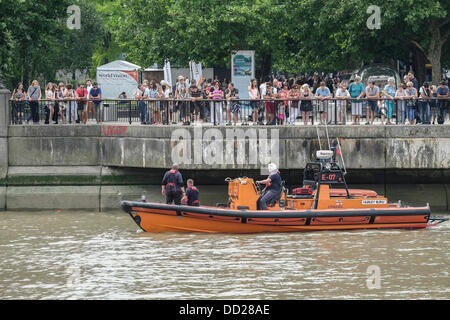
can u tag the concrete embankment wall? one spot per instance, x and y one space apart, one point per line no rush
87 166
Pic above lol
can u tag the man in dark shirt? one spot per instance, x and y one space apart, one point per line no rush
442 92
413 80
192 194
196 96
273 187
172 186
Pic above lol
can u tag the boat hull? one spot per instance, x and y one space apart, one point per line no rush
158 217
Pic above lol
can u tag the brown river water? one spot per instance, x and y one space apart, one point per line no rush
92 255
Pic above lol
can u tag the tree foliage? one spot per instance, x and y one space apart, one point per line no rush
292 35
35 41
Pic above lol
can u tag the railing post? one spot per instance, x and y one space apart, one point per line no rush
335 112
5 94
214 109
129 111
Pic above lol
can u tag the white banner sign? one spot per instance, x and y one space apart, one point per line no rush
242 71
167 73
195 71
113 83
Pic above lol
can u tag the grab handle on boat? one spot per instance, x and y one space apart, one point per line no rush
228 179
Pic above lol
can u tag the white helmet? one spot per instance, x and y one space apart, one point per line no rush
272 167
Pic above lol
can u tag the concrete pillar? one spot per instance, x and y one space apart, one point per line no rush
5 94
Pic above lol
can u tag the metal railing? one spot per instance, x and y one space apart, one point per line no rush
334 111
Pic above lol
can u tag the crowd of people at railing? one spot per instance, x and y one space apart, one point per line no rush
275 101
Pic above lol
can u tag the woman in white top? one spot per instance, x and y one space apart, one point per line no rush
342 95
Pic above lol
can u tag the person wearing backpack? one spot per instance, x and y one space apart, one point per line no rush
424 105
172 186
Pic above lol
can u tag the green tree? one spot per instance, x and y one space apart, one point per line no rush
203 30
28 30
333 34
75 48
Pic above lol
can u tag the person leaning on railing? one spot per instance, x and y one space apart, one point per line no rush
167 106
443 92
389 93
206 100
372 91
411 96
323 94
81 94
62 104
151 95
34 95
342 95
160 96
400 95
233 106
18 103
424 105
139 96
269 103
433 105
216 112
306 104
253 93
294 94
356 90
69 97
89 107
50 103
195 95
181 93
283 106
96 96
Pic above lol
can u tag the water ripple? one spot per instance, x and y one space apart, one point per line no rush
76 255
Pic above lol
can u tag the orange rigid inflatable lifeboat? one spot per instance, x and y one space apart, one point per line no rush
315 206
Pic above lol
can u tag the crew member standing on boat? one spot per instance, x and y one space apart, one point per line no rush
172 186
273 187
192 194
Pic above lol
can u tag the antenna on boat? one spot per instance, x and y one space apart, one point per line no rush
328 138
342 157
318 137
